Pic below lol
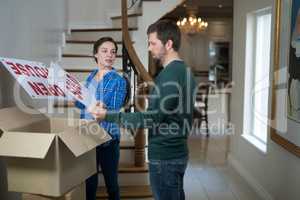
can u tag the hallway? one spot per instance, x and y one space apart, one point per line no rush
208 176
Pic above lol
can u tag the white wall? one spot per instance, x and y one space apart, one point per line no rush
152 11
97 13
277 172
91 13
31 30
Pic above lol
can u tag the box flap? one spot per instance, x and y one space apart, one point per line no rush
13 118
80 139
25 144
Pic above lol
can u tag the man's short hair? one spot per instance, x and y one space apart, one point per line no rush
98 43
166 30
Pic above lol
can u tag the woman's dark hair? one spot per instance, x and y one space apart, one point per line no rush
101 41
166 30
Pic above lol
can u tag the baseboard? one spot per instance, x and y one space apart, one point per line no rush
258 188
88 25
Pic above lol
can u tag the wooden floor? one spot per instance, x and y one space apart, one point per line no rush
126 192
208 176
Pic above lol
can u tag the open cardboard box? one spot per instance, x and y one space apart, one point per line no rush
78 193
47 156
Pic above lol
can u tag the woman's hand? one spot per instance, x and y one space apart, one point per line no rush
98 110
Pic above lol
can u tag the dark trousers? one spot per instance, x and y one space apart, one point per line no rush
166 178
108 158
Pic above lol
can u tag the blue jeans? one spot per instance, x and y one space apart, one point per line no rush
108 158
166 178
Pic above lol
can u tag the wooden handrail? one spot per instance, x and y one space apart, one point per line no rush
137 64
144 76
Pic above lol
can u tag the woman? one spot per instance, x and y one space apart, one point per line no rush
109 88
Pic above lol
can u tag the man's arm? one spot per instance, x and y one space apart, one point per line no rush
168 102
135 120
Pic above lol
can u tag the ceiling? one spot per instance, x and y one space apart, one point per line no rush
203 8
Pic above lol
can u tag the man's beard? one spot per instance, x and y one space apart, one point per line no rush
159 58
157 61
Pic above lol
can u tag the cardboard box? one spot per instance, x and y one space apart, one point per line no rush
47 156
78 193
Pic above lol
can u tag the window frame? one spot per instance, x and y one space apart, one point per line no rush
251 70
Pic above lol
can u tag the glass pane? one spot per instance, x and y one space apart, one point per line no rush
261 80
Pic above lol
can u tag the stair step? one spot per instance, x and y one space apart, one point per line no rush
83 48
79 70
86 41
86 70
102 29
95 34
128 145
82 74
132 20
135 192
65 112
131 169
128 179
82 56
64 105
84 63
129 15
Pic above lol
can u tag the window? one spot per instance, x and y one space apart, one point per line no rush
257 77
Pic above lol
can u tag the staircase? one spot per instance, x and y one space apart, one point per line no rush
77 58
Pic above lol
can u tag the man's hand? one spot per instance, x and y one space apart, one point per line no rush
98 111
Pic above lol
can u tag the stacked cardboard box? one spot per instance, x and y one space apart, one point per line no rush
47 156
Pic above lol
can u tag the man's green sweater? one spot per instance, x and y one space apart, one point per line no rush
169 113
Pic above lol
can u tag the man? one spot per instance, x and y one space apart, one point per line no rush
169 114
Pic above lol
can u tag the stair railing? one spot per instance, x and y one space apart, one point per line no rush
137 73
